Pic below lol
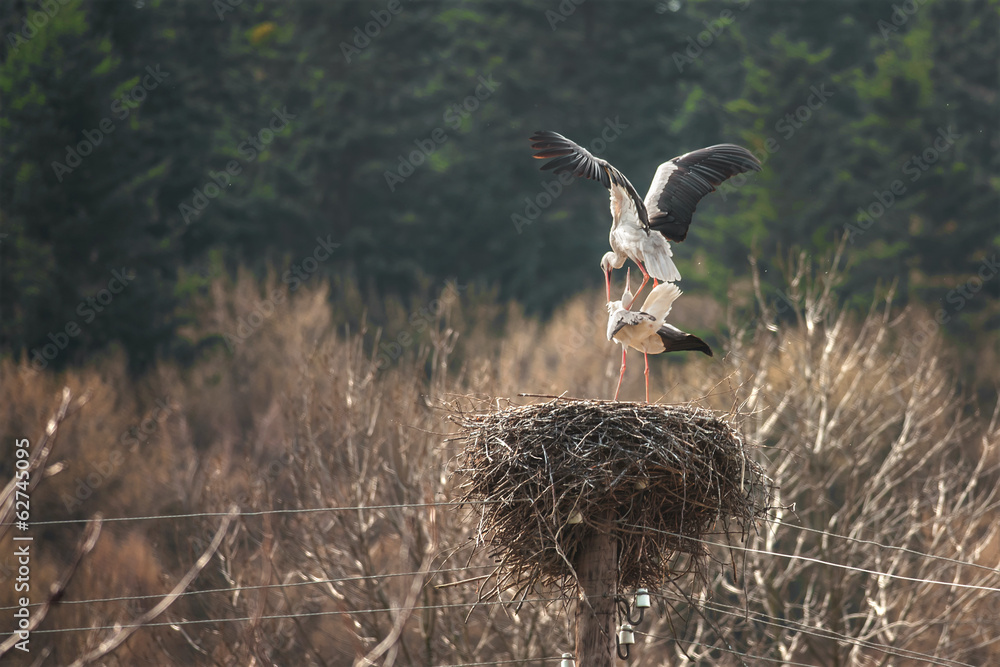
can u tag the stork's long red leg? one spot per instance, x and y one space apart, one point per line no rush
622 374
646 359
645 279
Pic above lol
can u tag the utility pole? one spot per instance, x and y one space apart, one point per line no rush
597 568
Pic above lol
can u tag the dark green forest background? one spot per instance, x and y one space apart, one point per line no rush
398 159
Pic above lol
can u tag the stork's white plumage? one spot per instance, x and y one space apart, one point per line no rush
647 330
677 187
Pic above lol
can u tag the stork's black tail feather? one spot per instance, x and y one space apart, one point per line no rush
675 340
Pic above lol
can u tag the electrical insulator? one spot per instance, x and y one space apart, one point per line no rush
641 603
642 599
567 660
625 635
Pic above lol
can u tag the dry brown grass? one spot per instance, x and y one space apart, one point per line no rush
882 463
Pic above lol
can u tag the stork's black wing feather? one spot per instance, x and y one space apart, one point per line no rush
680 183
571 157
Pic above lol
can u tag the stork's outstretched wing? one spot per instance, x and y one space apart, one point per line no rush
573 158
680 183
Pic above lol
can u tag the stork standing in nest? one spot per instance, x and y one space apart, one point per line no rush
642 229
647 330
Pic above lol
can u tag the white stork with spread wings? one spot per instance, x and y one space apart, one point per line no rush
677 187
647 330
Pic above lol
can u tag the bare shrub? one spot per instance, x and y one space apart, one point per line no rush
350 547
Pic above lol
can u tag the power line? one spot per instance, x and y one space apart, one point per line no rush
819 561
882 546
819 632
483 502
261 512
504 662
727 650
300 615
825 634
459 503
716 606
261 586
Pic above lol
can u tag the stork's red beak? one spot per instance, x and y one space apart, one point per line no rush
628 279
607 282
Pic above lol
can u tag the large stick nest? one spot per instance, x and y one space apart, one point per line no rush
659 478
